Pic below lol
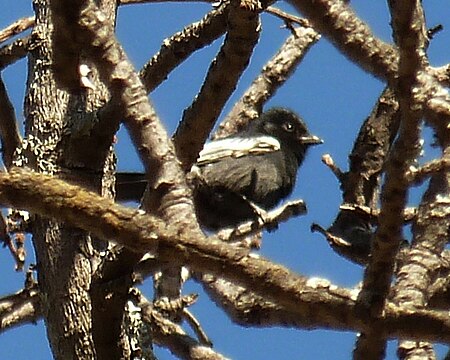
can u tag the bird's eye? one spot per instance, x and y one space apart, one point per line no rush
288 126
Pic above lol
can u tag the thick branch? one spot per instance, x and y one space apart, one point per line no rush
422 265
338 22
182 44
378 274
393 198
370 151
220 82
350 235
167 183
69 203
316 303
173 51
246 308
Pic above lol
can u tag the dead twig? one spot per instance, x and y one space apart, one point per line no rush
16 28
267 221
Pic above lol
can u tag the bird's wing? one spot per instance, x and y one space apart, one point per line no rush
236 147
256 177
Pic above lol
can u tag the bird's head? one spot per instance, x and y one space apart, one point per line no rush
288 128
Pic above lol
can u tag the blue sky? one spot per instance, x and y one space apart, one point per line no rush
332 94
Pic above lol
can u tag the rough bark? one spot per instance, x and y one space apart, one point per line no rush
66 256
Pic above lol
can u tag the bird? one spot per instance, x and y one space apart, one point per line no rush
255 168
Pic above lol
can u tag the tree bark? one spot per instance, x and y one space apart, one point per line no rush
55 135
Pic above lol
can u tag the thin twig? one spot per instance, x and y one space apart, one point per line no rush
288 17
419 175
273 75
329 162
197 327
172 336
16 28
269 221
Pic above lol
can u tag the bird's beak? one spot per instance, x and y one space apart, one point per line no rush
311 140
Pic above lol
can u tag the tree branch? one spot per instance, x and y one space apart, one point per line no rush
182 44
273 75
288 18
172 336
338 22
315 303
419 175
350 235
220 82
20 308
246 308
16 28
407 26
13 52
393 198
354 39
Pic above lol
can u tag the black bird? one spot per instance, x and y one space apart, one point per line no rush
258 165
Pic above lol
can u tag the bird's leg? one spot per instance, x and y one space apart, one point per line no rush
260 213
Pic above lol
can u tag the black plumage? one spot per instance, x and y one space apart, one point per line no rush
258 164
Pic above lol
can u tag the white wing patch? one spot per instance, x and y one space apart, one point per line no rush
236 147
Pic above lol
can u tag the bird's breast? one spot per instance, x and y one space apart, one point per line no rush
273 179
